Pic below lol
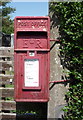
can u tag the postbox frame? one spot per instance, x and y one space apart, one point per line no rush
44 50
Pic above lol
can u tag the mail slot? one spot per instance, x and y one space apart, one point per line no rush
31 59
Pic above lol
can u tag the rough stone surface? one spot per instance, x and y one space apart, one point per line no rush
57 91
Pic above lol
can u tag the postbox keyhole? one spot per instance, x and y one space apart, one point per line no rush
31 53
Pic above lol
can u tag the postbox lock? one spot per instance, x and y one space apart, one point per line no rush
31 53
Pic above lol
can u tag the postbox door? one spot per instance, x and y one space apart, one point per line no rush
32 77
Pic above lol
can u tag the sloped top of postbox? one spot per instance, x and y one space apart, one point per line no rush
32 23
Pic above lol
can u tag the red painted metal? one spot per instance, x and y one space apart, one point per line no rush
32 46
56 40
59 81
31 50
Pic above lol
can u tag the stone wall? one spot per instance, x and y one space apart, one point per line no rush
57 91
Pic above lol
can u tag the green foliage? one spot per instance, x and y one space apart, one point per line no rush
70 15
8 98
9 86
24 112
7 23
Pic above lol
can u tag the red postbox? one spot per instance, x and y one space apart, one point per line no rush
31 54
